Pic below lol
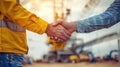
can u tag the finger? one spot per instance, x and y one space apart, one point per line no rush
65 25
65 32
61 33
63 37
58 39
51 37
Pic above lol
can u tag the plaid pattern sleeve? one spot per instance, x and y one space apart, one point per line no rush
108 18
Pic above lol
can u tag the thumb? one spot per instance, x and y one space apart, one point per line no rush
57 23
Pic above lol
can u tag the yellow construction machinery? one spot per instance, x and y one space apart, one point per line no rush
76 53
57 52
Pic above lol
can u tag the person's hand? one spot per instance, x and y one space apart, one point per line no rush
58 33
71 27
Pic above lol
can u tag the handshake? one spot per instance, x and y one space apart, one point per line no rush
60 31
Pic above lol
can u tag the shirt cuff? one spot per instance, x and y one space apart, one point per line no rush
81 27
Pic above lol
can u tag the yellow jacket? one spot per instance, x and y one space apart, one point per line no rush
14 19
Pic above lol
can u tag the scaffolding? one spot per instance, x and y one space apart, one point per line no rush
58 9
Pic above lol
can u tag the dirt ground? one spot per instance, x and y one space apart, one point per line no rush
81 64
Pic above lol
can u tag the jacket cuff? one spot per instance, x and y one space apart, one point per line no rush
43 26
80 27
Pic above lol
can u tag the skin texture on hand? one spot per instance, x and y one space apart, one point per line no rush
71 27
58 33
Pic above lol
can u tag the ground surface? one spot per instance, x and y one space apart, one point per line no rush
81 64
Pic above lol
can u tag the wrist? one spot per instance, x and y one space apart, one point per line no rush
47 29
73 26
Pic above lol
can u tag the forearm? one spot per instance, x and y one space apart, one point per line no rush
16 13
110 17
95 23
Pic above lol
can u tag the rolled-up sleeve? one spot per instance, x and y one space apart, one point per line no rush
108 18
16 13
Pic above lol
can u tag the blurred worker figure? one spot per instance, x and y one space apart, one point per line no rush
14 19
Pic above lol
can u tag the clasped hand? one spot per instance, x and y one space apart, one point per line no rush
60 31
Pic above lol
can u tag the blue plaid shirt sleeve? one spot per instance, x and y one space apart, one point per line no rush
108 18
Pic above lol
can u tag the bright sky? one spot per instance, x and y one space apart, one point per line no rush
44 9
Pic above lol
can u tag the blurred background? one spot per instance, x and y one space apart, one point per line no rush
72 10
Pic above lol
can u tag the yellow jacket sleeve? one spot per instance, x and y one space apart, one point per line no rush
15 12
